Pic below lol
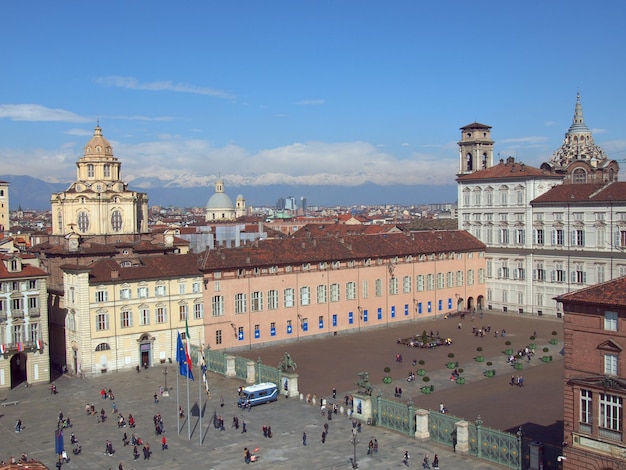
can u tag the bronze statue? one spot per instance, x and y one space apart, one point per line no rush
364 383
286 363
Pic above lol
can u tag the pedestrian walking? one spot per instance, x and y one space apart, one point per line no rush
405 458
375 446
243 426
436 462
323 437
334 393
304 438
156 398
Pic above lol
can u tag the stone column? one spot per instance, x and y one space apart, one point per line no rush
422 431
250 372
292 384
362 407
230 366
461 437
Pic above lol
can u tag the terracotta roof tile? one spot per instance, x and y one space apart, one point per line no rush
611 294
587 192
508 170
299 250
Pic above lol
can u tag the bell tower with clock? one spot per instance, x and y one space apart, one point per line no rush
99 202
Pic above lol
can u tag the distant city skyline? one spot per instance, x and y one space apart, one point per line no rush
315 95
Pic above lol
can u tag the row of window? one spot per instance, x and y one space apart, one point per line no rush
144 316
578 272
609 413
305 267
21 333
18 286
17 305
126 293
487 196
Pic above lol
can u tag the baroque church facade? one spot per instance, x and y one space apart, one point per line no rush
548 230
99 202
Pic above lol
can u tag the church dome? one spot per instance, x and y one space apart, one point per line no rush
98 146
220 201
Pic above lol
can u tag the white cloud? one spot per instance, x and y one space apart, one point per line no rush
79 132
134 84
36 112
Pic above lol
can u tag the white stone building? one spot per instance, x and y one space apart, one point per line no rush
548 230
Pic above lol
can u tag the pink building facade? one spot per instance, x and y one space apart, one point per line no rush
286 290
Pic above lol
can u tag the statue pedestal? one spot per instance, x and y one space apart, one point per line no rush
289 384
362 407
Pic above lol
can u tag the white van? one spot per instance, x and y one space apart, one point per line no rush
258 394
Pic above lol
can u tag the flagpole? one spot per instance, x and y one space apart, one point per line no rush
200 391
188 410
178 400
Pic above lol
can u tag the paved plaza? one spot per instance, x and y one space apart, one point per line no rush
322 364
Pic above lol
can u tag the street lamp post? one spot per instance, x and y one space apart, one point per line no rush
166 392
355 441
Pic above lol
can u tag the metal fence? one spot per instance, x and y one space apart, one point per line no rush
394 415
241 367
265 373
215 361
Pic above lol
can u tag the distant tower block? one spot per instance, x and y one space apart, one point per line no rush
475 148
4 207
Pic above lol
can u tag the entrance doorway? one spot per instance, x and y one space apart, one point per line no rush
146 359
18 369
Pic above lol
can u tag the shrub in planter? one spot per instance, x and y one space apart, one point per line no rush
518 366
479 358
546 349
426 379
387 369
508 352
532 337
421 362
479 348
425 389
489 363
387 380
532 346
554 333
546 358
554 341
421 372
460 380
450 355
489 373
508 343
460 371
451 365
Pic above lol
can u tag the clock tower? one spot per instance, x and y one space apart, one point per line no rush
99 202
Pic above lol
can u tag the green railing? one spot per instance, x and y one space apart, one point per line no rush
215 361
393 415
265 373
241 367
496 446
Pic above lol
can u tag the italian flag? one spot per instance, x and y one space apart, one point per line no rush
187 352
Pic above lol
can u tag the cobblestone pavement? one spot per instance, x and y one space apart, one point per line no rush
288 418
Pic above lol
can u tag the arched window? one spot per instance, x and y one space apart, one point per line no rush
90 171
579 176
107 171
103 347
469 164
83 221
116 220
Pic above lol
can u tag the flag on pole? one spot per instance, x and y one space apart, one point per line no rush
181 358
187 350
20 346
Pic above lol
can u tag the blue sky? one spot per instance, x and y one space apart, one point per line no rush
305 92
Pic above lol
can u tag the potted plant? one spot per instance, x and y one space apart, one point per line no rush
554 340
387 379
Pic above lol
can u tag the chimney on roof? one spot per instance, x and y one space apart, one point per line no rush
510 160
115 274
